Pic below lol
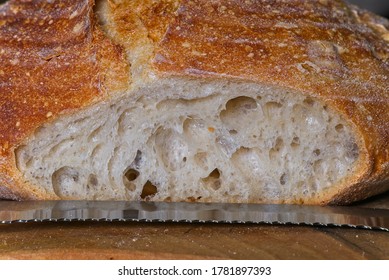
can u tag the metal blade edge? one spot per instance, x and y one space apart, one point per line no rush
184 212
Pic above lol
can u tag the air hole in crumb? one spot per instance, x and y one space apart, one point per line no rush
339 128
96 151
274 152
21 156
148 190
68 172
233 132
352 151
131 174
92 181
239 106
94 136
201 160
193 199
283 179
123 124
241 102
29 163
138 159
129 177
272 108
213 180
130 186
279 144
215 174
309 101
171 148
295 142
67 183
317 152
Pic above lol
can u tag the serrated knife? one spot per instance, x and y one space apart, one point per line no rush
41 211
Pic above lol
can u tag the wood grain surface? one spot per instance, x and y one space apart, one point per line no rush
187 241
128 240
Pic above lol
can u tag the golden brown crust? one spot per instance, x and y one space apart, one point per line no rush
326 49
53 60
138 25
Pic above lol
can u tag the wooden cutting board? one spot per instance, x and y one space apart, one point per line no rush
124 240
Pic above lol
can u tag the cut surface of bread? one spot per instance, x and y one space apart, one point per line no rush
201 101
234 142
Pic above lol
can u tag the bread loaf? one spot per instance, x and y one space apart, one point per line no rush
193 100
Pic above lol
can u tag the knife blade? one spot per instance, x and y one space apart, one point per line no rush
41 211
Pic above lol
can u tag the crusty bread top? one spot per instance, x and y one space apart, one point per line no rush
55 59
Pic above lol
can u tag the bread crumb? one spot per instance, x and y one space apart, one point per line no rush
49 114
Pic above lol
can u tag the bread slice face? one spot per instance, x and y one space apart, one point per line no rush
195 101
194 140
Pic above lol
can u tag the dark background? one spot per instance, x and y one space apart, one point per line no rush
378 6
